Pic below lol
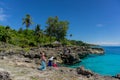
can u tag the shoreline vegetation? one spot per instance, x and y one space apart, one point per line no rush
20 53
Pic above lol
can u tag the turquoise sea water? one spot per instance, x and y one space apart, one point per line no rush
107 64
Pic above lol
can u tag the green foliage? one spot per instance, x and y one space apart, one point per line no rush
4 34
27 49
78 43
20 30
27 21
56 28
38 31
7 27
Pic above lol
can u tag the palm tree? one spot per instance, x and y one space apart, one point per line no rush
27 21
37 30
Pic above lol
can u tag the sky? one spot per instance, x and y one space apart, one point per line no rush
91 21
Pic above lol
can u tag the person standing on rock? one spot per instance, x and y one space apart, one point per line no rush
43 61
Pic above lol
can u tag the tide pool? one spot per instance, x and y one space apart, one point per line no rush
107 64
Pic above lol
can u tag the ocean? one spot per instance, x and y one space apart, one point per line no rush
107 64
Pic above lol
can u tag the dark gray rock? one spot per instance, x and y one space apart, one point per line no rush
28 60
82 55
4 75
84 72
117 76
70 59
37 61
32 55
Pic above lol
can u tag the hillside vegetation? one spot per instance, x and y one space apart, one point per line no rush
55 30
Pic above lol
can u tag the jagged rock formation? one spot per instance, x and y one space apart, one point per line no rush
96 51
85 72
117 76
71 56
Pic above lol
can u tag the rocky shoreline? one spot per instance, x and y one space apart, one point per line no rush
18 64
18 70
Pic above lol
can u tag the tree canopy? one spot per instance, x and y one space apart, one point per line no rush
56 28
27 21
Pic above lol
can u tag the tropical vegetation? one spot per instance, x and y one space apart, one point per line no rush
55 30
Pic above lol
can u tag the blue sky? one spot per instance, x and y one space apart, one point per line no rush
92 21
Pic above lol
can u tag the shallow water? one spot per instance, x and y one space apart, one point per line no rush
107 64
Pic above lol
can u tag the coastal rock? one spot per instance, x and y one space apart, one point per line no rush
4 75
82 55
32 54
96 50
117 76
70 58
83 71
76 52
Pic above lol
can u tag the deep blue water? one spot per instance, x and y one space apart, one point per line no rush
107 64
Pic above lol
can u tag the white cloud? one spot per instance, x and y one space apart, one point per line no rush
99 25
108 43
2 15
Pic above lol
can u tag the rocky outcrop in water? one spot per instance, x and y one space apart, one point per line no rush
117 76
96 51
94 76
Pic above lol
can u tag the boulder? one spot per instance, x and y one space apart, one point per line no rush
117 76
82 55
70 59
96 50
32 55
4 75
84 72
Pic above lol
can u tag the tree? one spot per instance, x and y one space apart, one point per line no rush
20 30
37 30
56 28
61 31
4 35
27 21
7 27
37 33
